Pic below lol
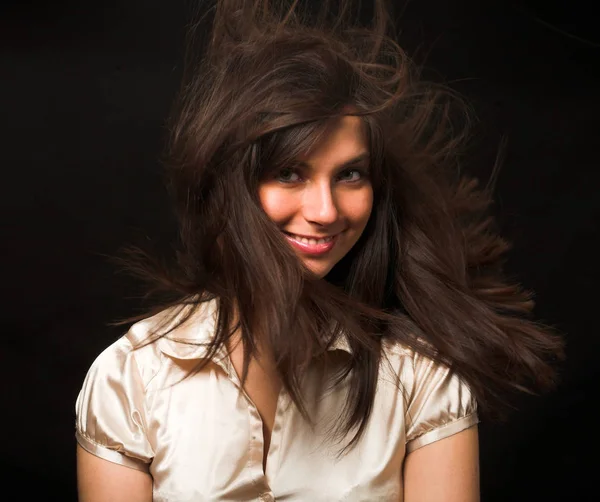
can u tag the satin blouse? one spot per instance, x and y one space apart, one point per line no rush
200 437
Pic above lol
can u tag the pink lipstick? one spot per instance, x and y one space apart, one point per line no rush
311 246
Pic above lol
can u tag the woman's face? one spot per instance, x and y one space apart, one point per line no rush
324 205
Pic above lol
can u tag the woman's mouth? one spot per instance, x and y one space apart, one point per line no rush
311 246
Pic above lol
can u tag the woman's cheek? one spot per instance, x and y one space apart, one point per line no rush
358 206
276 203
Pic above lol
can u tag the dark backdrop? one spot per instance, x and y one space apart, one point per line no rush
84 91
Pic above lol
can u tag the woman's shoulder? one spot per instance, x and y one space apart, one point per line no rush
405 356
111 406
126 357
413 367
437 402
144 346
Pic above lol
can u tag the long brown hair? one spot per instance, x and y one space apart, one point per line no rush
426 273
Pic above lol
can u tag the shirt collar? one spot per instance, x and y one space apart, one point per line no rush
191 339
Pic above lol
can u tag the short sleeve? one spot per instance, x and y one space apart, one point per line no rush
110 411
439 405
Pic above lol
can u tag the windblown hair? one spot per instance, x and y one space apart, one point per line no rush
427 271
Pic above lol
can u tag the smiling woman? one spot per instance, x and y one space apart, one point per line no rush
323 205
336 317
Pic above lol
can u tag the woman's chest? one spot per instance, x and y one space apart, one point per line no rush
209 444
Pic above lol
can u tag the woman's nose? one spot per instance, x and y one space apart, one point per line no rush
319 205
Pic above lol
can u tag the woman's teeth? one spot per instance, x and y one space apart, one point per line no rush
311 242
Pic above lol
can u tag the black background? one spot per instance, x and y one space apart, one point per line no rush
85 88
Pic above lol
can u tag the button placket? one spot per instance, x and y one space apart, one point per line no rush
274 452
257 443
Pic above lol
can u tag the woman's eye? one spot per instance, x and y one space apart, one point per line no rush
351 175
287 176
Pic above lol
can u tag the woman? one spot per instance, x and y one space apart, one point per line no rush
337 315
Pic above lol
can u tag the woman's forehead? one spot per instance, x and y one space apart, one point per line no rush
343 140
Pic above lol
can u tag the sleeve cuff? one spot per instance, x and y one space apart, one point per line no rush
442 432
111 455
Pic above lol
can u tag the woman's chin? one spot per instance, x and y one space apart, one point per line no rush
318 270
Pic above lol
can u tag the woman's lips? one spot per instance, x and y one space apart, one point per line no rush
311 249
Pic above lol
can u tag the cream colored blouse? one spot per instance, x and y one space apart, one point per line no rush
201 437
